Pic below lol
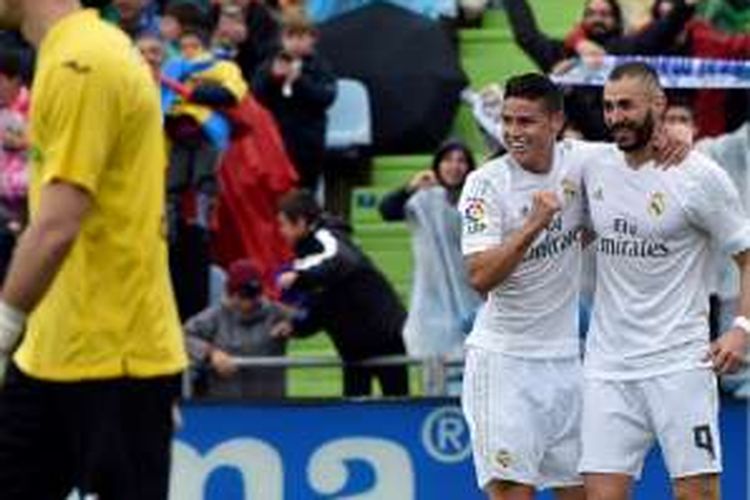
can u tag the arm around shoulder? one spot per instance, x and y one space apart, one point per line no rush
489 268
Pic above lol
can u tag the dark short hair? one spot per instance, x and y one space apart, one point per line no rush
189 14
300 204
676 99
535 87
635 69
198 32
11 64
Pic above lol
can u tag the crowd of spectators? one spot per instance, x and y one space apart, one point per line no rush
245 95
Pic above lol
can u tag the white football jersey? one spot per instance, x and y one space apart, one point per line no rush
655 231
533 313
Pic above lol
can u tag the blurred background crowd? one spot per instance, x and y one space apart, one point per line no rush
377 111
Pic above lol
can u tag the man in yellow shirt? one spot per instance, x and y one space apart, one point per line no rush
88 392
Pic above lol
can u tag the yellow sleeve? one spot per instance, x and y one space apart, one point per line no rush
81 114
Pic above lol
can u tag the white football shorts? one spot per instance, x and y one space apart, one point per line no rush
623 419
524 418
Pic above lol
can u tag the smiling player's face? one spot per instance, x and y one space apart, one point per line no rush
631 113
530 131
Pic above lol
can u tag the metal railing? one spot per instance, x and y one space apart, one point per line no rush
434 370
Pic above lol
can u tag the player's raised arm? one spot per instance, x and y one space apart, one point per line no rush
490 267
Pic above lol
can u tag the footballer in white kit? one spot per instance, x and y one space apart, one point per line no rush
522 384
649 367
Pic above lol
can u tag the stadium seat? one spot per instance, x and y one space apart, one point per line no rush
364 205
349 118
396 170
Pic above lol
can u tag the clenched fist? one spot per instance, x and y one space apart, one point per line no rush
545 204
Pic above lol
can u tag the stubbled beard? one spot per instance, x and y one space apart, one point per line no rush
643 131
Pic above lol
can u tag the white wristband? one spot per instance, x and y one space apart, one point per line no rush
12 323
743 323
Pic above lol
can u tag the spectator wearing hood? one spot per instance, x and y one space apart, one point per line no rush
443 304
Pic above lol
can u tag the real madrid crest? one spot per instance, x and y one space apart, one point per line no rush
657 204
569 189
503 459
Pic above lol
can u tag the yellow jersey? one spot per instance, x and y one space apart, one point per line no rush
96 123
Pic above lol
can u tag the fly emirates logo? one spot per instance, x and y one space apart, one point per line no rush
555 241
626 243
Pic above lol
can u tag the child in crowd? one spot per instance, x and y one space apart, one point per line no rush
178 15
198 90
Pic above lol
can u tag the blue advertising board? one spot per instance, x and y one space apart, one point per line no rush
389 450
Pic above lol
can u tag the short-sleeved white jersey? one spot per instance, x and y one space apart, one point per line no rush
655 231
533 313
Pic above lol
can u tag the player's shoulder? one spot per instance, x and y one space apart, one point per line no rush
698 167
90 47
577 148
584 157
699 176
486 182
570 145
492 171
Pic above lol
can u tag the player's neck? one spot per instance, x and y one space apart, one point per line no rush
43 15
637 159
541 164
